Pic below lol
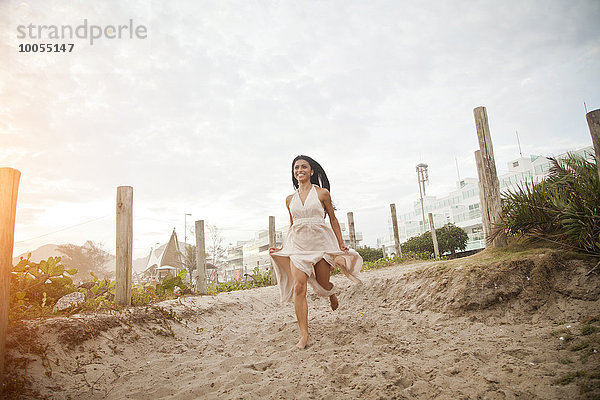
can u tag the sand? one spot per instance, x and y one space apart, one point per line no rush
384 342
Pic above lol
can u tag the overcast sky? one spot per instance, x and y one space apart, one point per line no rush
205 114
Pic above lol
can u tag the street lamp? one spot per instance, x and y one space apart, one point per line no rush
422 177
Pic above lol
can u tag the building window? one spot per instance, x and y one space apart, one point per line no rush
515 164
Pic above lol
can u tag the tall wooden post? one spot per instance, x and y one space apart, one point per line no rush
124 245
200 258
351 231
489 177
436 248
422 177
272 243
395 226
9 189
383 250
593 120
485 218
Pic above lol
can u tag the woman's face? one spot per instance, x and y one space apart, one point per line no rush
302 171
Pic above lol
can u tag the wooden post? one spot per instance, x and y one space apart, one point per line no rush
593 120
395 226
436 248
200 258
489 178
272 243
421 170
9 189
383 250
351 231
485 219
124 245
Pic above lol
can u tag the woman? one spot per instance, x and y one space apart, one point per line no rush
312 248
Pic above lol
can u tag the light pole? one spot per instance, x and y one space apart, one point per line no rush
422 177
185 230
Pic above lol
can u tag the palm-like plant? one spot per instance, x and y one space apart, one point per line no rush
564 208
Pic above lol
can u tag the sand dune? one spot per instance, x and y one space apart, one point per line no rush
407 332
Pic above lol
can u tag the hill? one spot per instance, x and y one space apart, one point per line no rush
41 253
51 250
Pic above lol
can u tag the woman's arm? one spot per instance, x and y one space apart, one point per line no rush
288 200
325 198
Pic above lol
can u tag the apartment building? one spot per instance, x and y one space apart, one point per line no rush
461 206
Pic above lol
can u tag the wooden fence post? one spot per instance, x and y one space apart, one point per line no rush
395 226
272 243
489 178
9 190
436 248
124 245
593 120
485 218
200 258
351 231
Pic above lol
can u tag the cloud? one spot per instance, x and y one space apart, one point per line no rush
206 115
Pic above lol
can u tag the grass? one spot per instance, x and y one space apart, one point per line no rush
567 334
579 346
589 329
515 250
570 377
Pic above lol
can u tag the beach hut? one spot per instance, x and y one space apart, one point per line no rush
164 260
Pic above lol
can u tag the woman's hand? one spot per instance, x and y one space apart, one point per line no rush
343 247
273 250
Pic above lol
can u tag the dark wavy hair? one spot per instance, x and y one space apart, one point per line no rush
319 177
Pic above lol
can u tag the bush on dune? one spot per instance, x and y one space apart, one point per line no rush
563 209
36 287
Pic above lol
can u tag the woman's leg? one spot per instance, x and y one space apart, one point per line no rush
300 304
322 272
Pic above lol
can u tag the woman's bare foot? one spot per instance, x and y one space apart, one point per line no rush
303 342
334 302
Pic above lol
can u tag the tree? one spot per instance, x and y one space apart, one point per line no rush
90 257
419 244
370 254
215 249
451 238
188 257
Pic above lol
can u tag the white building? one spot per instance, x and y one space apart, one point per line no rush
461 206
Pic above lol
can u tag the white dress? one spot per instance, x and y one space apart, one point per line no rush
309 240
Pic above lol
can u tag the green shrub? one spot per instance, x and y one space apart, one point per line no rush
370 254
258 279
419 244
563 209
169 283
35 287
450 238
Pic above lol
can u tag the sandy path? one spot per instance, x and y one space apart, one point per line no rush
241 345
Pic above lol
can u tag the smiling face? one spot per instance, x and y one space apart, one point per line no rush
302 171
